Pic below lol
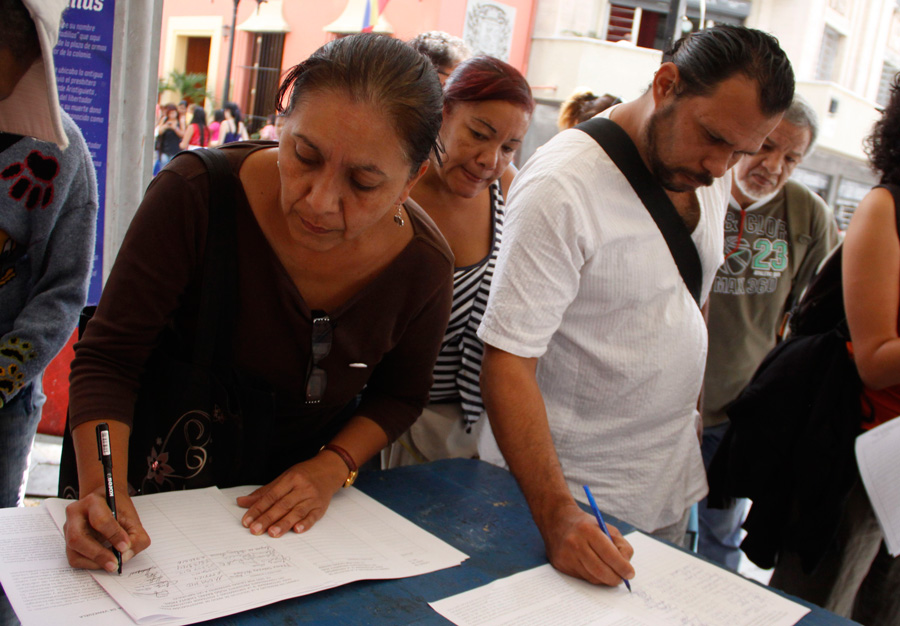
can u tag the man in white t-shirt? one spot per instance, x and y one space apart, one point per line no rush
594 347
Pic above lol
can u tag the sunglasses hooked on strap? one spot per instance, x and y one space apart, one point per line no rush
316 377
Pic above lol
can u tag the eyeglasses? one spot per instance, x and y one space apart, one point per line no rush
316 378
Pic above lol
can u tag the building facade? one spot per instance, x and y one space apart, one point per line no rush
264 39
844 54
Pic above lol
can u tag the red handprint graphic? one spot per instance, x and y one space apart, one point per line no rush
32 180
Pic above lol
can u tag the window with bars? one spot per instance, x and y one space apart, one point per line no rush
642 26
264 74
828 52
621 23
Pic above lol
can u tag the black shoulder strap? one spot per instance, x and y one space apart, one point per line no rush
218 289
622 151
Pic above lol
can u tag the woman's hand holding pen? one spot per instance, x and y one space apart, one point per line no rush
91 529
578 547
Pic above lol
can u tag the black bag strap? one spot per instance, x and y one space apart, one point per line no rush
218 289
618 145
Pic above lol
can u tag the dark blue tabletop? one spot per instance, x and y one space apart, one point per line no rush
471 505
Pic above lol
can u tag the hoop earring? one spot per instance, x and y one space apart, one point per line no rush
398 218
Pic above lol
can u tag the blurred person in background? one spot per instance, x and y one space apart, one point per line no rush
232 127
168 137
197 134
581 106
218 118
443 50
268 132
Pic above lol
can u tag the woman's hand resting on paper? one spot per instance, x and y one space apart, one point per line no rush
91 529
297 499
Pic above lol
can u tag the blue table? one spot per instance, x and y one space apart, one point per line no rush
472 505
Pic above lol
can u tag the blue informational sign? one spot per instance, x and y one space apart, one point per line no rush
83 60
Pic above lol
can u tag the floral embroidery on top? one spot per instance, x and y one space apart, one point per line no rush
183 454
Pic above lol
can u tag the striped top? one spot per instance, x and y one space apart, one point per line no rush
458 365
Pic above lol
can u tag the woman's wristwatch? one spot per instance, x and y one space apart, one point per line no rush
345 456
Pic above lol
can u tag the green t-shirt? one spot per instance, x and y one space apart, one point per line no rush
764 270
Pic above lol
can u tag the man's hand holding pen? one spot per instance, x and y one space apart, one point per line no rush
578 547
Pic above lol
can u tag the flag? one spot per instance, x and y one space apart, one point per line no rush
374 9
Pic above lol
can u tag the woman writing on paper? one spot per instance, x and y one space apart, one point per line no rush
343 294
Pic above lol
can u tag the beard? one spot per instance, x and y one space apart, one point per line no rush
754 194
668 176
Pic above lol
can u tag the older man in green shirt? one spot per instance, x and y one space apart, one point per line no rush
777 232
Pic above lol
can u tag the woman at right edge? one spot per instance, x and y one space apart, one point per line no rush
857 577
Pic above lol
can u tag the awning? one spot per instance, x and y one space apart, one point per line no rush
268 18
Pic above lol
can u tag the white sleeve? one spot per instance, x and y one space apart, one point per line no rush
539 265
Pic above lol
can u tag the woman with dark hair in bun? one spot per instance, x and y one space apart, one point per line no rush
343 294
487 110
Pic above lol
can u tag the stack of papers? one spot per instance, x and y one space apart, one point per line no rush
202 563
879 466
671 588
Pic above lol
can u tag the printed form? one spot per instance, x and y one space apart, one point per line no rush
203 564
671 588
37 579
879 466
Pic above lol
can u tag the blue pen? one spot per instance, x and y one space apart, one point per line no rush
600 521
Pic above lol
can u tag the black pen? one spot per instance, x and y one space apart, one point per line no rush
105 452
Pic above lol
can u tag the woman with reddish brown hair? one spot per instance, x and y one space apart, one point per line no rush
487 109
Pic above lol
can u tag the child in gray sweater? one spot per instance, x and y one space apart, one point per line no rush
48 213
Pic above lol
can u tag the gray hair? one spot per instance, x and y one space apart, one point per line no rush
443 49
802 115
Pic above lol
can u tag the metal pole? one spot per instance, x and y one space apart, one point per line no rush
133 95
677 9
230 54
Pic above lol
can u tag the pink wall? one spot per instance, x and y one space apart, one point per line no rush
306 19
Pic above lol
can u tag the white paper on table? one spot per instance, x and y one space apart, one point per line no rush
879 465
203 564
39 584
671 588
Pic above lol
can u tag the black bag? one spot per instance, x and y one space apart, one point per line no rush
189 428
618 145
790 445
822 306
